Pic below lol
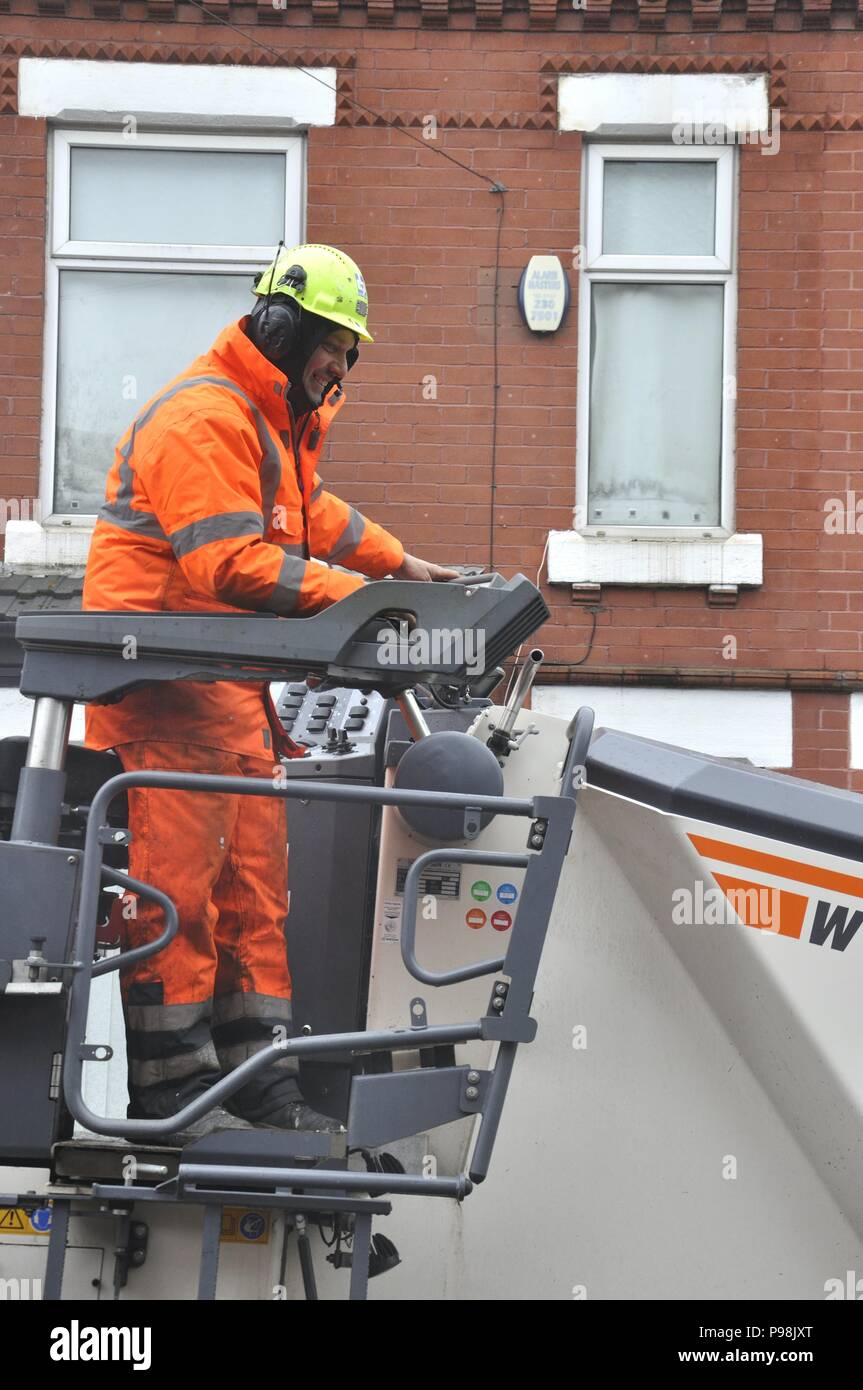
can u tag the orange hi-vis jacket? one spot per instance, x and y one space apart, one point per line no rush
214 505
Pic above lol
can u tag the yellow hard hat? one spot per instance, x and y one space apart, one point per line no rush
324 281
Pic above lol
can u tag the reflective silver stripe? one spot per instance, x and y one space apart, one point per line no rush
350 537
151 1072
165 1018
316 492
223 526
129 519
120 511
284 597
292 548
228 1007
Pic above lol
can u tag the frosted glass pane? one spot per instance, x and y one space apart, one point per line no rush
659 207
182 197
123 336
655 405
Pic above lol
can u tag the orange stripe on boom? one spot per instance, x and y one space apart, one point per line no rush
770 909
774 864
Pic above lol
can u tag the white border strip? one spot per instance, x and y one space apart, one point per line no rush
647 102
54 87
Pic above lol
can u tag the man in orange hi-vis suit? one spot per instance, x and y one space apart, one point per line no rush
214 505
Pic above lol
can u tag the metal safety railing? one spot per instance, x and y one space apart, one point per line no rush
507 1022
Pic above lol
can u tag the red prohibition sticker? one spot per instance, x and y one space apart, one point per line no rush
501 921
475 918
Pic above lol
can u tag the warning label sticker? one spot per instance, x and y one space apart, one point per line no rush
16 1221
391 920
243 1227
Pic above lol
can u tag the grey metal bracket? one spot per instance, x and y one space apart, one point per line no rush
419 1013
95 1052
536 837
475 1089
472 822
131 1249
111 835
509 1029
497 1003
389 1106
29 975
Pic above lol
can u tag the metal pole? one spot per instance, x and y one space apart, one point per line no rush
413 715
53 1288
208 1275
360 1262
234 1175
49 734
500 739
39 802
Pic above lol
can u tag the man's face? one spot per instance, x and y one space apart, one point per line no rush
327 363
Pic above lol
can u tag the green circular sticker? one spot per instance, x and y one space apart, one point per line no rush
480 890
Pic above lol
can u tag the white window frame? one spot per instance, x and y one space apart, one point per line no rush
65 254
596 268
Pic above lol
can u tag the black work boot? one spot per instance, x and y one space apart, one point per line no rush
162 1102
244 1023
277 1103
163 1105
216 1119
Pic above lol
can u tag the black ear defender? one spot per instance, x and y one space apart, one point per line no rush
274 326
274 323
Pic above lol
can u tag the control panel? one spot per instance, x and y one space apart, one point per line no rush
336 720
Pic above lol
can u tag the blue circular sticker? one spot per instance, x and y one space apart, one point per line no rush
253 1225
40 1219
507 893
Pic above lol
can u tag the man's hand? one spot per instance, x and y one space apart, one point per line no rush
412 568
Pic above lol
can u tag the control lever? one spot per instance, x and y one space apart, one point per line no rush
501 741
413 715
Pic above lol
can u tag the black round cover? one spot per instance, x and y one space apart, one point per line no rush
447 762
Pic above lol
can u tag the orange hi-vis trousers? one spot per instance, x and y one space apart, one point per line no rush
221 990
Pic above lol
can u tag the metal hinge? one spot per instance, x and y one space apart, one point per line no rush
56 1073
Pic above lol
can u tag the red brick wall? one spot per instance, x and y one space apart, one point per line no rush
22 259
424 233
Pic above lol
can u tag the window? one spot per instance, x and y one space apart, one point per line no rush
154 242
656 342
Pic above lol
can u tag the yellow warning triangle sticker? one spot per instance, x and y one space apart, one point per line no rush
11 1219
